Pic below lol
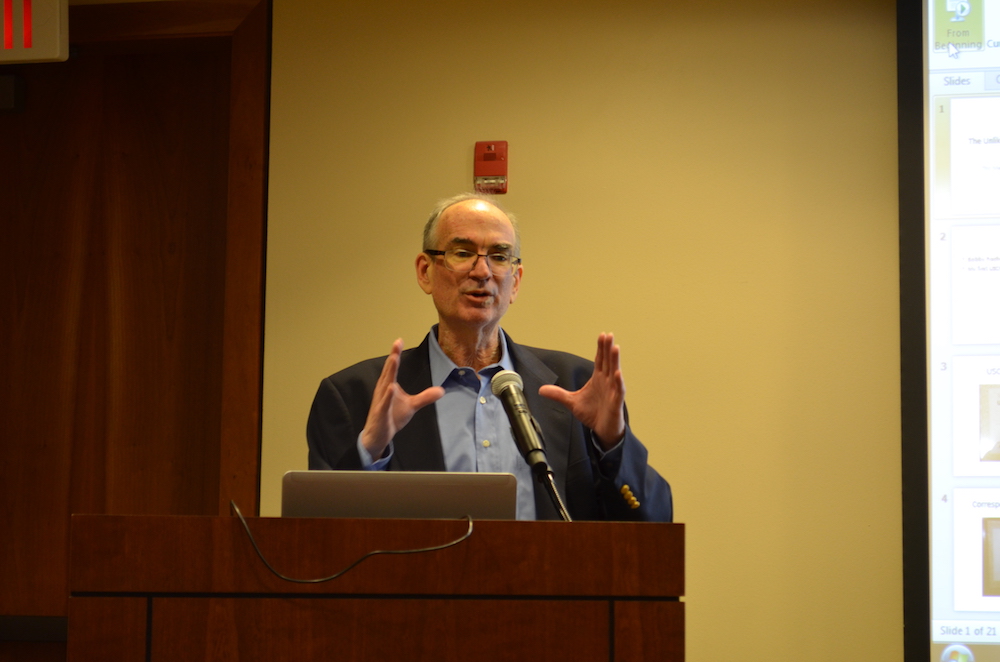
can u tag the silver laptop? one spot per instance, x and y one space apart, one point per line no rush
399 494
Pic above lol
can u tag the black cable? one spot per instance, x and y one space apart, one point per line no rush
246 527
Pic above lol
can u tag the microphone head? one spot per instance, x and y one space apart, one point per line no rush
503 379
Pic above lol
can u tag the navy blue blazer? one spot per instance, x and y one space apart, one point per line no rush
591 489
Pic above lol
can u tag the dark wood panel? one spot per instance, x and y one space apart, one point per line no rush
42 260
150 323
649 631
512 590
169 18
32 651
243 312
391 629
107 629
213 554
113 302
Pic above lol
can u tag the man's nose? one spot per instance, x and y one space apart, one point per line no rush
481 269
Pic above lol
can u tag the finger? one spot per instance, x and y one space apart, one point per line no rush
426 397
614 362
381 408
619 388
604 344
390 368
383 393
393 359
599 358
556 393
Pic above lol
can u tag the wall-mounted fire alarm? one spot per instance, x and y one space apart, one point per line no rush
490 167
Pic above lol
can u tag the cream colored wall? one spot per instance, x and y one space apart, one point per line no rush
715 183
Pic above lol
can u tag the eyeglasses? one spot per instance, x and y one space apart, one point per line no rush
463 261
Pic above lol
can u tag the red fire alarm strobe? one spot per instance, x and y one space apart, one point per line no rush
490 167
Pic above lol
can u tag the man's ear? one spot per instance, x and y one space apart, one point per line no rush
517 282
423 265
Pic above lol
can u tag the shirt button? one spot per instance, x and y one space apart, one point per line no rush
482 400
486 443
461 373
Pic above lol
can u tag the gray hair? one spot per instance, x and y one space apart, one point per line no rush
430 228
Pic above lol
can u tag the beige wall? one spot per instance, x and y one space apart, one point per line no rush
715 183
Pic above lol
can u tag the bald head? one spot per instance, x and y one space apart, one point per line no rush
430 228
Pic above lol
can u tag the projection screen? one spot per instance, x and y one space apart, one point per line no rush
961 272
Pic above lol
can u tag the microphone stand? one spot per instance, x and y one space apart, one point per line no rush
547 478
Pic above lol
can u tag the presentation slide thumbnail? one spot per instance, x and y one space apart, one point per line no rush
975 284
977 523
975 155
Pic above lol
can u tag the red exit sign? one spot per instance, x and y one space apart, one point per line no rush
35 31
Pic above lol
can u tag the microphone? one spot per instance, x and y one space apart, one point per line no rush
507 385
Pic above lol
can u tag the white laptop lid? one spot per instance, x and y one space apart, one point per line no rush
399 494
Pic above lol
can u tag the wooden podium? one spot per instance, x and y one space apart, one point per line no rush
192 588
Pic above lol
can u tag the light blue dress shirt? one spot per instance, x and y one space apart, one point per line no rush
475 432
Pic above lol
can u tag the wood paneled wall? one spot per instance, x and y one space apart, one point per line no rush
132 202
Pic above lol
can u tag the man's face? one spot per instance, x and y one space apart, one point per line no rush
479 298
